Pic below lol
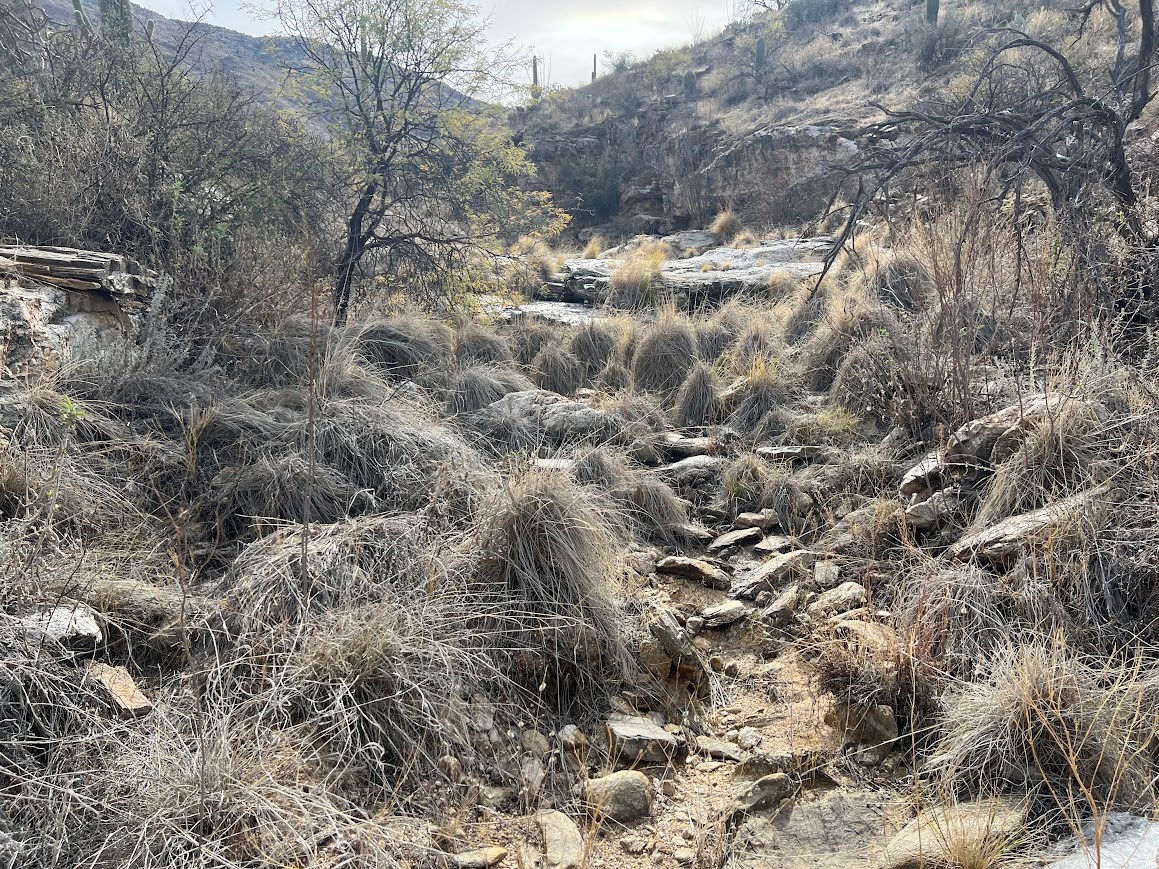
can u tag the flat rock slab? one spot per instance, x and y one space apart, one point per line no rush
719 749
681 447
634 740
845 597
934 835
695 570
773 573
126 696
1125 842
800 453
480 858
737 537
74 626
764 793
774 545
838 829
724 614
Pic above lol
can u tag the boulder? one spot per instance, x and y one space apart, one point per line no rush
480 858
783 609
936 510
765 520
1124 842
1016 534
764 793
719 749
623 796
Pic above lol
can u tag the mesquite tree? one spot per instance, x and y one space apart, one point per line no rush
1030 115
430 176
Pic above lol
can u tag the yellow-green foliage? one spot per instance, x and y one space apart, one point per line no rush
634 282
594 247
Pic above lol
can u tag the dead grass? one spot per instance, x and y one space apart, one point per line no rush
664 355
726 225
475 343
593 344
697 402
556 369
469 389
404 345
550 557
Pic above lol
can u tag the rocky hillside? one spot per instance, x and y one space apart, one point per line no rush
669 141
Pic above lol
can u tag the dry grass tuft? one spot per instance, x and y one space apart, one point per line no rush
593 344
726 225
603 468
594 247
897 278
654 510
404 345
664 355
556 369
475 343
635 283
549 561
469 389
1074 732
530 335
763 393
697 402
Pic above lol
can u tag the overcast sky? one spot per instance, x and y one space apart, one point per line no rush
564 32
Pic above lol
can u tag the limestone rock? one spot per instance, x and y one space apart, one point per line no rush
936 510
1124 842
127 697
695 570
563 845
623 796
572 739
925 476
480 858
773 573
931 837
784 607
826 575
633 740
723 614
870 726
843 598
535 742
774 545
74 626
680 446
738 537
799 453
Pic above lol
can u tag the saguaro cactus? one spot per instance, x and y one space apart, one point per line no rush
932 7
82 18
760 57
689 83
593 67
116 20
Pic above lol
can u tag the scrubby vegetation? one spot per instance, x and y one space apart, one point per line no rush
286 584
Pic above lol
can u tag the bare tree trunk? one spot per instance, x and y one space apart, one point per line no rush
351 254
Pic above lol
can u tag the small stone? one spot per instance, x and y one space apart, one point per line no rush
843 598
451 767
711 765
773 572
763 598
637 740
572 739
732 735
536 743
668 788
774 545
718 748
826 575
782 610
749 738
694 626
723 614
480 858
732 668
633 844
695 570
716 664
684 856
623 796
563 845
739 537
126 696
496 797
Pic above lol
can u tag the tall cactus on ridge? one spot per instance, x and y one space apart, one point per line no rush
932 7
760 57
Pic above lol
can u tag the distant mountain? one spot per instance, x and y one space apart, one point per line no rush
259 62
